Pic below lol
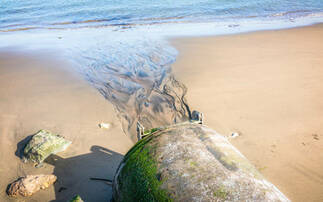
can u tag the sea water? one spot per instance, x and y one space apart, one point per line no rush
59 14
120 46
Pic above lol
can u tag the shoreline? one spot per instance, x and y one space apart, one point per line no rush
264 85
38 91
56 98
173 38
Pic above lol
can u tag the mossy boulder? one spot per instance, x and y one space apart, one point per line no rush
43 144
189 162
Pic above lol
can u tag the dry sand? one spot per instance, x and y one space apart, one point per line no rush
268 87
43 94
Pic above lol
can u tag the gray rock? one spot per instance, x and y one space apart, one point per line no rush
43 144
189 162
27 186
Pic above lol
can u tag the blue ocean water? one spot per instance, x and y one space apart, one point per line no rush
120 47
19 14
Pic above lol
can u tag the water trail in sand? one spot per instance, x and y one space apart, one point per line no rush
138 82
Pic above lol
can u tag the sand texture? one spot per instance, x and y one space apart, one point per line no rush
268 87
40 93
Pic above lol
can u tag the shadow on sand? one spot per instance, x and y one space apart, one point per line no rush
21 146
73 174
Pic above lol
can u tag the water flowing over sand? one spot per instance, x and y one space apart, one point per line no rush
138 83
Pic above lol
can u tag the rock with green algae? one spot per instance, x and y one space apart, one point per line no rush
189 162
43 144
76 198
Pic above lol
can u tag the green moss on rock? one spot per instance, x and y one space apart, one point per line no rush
76 198
150 131
139 179
189 162
43 144
220 193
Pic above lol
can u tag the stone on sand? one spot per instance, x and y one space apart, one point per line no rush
234 135
27 186
43 144
104 125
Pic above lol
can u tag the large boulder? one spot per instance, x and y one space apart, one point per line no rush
43 144
27 186
189 162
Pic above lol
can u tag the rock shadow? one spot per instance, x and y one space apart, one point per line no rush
21 146
74 174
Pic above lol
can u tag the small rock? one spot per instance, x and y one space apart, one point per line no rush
76 198
43 144
104 125
27 186
234 135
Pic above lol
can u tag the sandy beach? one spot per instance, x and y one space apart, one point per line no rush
147 68
38 92
267 86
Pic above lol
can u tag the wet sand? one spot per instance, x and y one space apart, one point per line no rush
268 87
37 92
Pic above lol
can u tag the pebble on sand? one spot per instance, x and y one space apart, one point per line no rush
104 125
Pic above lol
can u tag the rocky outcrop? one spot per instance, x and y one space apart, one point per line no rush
27 186
43 144
189 162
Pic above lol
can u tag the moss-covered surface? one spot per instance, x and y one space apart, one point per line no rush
189 162
139 179
43 144
220 193
76 198
150 131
